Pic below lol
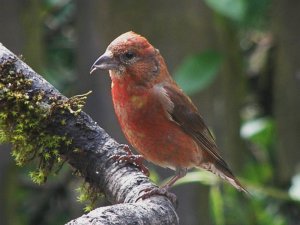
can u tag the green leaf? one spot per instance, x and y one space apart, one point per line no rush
198 71
217 205
260 131
198 176
233 9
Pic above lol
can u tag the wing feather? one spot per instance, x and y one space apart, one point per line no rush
180 109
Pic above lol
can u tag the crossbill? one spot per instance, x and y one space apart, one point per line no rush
157 118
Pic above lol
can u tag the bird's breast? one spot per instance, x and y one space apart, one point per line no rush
148 129
133 105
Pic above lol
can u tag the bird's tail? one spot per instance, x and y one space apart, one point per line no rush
221 169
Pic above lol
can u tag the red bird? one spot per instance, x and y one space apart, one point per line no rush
157 118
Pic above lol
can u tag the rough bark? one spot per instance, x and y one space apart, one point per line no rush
120 183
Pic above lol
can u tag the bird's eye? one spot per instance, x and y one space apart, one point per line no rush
128 55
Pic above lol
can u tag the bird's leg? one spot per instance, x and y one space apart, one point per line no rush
163 190
136 160
180 172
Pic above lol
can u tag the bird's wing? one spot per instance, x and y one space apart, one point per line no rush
180 109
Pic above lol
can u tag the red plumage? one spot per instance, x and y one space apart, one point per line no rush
157 118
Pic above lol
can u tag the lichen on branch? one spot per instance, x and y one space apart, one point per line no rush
45 126
26 122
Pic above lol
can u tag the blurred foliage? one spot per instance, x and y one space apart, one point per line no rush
269 203
41 204
260 131
244 13
198 71
236 11
59 19
217 206
294 190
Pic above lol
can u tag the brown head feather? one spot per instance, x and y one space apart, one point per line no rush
137 59
129 41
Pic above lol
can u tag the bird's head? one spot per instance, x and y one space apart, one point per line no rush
130 55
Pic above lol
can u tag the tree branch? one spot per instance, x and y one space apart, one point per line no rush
119 182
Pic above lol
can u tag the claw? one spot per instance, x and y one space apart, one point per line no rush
148 192
136 160
126 149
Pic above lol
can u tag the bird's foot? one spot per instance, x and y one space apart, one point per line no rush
148 192
136 160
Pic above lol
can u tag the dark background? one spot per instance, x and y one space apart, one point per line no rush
238 60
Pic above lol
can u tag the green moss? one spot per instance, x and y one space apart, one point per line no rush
25 122
88 195
22 123
73 105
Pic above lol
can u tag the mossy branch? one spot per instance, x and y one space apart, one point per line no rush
42 123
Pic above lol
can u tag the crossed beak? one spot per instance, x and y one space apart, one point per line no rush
105 62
